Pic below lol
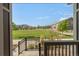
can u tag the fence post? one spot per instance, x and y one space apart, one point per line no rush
45 49
25 44
39 49
18 48
77 50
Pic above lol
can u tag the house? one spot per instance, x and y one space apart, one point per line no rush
54 27
70 24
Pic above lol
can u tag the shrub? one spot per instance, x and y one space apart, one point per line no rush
36 46
31 46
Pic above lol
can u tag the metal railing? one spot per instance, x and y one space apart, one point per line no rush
22 46
59 48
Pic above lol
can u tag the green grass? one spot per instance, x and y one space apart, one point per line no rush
26 33
46 33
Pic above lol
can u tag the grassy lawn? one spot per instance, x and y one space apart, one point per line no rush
46 33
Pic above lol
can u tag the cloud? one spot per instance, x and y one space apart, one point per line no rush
43 17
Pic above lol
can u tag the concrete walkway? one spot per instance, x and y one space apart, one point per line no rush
30 53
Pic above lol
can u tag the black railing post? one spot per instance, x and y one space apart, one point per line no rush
25 44
73 50
39 49
52 51
45 49
18 48
66 50
59 50
77 50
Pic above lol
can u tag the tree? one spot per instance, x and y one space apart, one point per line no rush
63 26
14 26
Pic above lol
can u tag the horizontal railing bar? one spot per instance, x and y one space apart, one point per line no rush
61 43
22 41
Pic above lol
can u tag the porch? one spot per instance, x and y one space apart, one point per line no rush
49 48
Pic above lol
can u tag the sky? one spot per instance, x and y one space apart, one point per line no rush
40 14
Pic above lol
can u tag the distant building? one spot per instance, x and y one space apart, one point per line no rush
70 24
54 27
